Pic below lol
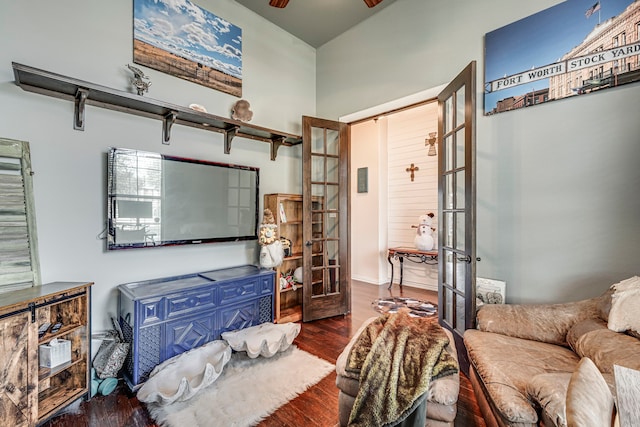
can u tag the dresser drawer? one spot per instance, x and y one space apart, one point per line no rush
182 304
239 291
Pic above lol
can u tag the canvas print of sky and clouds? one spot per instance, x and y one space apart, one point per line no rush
180 38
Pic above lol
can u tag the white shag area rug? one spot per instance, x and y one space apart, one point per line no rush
247 391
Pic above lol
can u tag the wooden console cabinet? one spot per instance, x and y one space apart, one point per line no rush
29 393
162 318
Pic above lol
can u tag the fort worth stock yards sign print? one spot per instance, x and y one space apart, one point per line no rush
574 48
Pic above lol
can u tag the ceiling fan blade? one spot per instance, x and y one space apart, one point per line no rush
372 3
280 3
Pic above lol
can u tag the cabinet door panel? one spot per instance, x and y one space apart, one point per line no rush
16 381
185 334
240 316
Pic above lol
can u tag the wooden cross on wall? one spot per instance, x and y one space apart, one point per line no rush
412 169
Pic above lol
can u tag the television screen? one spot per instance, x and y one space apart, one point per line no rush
159 200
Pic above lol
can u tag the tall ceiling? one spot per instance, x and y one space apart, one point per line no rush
315 21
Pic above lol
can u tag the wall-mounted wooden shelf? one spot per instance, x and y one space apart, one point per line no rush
84 93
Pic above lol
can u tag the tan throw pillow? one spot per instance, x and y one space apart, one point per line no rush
589 400
625 306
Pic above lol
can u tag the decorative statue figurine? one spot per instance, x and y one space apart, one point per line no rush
242 111
271 252
138 80
424 240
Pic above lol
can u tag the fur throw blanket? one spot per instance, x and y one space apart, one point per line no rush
396 357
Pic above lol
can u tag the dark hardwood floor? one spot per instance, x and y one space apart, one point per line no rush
318 406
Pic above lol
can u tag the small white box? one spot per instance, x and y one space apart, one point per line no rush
55 353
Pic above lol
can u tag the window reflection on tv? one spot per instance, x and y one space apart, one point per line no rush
159 200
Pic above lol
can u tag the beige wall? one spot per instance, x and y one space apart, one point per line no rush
368 219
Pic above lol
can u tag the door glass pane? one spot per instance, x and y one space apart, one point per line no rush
448 268
317 190
448 115
460 94
316 226
317 282
333 142
318 251
333 251
448 159
331 226
333 170
334 284
317 169
460 229
448 306
460 317
448 192
317 140
333 201
461 269
460 189
448 229
460 148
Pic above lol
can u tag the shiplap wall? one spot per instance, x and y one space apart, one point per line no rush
407 200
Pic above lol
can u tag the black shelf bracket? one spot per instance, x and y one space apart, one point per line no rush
78 111
229 134
167 121
276 142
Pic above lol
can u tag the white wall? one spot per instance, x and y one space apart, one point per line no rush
408 199
558 215
92 40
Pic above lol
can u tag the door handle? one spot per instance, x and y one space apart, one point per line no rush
467 259
308 243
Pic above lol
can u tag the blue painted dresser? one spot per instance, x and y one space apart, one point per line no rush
165 317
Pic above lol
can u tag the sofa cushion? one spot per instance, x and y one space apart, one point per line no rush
550 391
606 348
589 401
539 322
506 364
583 327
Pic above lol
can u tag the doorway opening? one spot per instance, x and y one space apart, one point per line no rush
394 180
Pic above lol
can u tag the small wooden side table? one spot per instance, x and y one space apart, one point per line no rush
413 255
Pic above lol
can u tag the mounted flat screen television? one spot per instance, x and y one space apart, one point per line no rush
160 200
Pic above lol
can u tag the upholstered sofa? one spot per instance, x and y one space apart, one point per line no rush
523 356
442 394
